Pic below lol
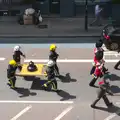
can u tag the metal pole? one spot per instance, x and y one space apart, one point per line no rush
86 15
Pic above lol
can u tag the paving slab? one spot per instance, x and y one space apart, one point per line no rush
57 27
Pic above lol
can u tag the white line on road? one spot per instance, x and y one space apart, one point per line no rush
113 114
1 59
38 102
69 60
22 112
64 113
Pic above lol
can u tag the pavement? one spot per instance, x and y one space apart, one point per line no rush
57 27
73 101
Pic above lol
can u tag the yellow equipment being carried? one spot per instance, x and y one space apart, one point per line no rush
39 72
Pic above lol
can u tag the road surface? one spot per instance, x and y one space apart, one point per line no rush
28 102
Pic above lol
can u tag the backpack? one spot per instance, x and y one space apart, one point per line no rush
99 55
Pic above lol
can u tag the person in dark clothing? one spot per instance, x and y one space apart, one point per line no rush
117 64
51 76
11 73
54 56
17 56
101 93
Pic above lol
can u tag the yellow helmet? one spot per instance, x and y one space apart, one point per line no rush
12 62
53 47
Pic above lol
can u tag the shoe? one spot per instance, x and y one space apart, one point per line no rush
110 104
91 85
8 84
12 87
93 106
115 68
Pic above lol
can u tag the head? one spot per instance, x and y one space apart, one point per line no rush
53 47
13 63
17 48
98 44
31 63
50 63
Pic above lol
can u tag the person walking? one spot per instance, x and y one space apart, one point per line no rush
102 90
98 17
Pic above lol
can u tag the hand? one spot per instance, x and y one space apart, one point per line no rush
24 56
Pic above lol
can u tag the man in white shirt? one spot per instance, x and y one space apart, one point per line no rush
97 15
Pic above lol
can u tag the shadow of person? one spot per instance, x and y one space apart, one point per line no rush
65 95
24 92
67 78
115 89
29 78
37 84
113 109
114 77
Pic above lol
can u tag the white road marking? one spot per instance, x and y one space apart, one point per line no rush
22 112
64 113
38 102
69 60
2 59
113 114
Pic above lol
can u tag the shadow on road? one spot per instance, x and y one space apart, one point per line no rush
67 78
29 78
114 77
36 84
115 89
114 109
24 92
65 95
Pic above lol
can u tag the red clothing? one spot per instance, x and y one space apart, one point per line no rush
95 51
101 82
99 66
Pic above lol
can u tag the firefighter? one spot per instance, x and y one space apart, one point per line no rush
50 75
54 56
17 56
101 93
11 73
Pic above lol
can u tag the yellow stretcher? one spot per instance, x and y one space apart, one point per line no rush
40 71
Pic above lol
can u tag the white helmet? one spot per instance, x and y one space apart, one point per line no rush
50 63
17 48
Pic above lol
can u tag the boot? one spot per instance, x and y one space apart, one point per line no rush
117 64
92 82
94 103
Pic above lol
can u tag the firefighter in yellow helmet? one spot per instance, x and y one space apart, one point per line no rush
11 73
53 56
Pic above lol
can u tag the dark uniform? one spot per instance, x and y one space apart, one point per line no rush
17 58
101 93
117 64
51 77
53 56
11 75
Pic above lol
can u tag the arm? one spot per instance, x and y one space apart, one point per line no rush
22 54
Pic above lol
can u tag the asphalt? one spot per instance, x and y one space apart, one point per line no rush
74 87
57 28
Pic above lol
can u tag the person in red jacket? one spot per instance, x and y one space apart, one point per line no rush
98 55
